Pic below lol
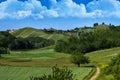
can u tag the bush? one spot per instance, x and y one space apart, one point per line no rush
114 68
57 74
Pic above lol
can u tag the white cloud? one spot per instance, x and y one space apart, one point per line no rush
64 8
67 8
50 13
108 8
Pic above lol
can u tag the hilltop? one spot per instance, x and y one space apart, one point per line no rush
32 32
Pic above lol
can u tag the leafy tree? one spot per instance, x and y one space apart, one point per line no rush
79 58
57 74
95 24
5 40
3 51
40 42
61 46
20 43
114 68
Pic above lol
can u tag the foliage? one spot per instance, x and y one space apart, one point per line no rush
57 74
79 59
60 46
3 51
114 67
20 43
40 42
90 41
30 43
5 40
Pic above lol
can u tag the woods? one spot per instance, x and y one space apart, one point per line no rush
96 39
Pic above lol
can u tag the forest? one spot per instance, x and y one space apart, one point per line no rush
85 42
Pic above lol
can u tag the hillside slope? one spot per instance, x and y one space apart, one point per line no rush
32 32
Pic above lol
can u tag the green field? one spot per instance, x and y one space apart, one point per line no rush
37 57
23 73
22 64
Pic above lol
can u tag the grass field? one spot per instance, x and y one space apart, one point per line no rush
38 57
19 65
23 73
39 61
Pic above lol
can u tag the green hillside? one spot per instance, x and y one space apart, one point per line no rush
32 32
103 56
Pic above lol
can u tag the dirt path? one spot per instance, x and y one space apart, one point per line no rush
96 74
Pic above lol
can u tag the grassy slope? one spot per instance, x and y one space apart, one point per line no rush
102 58
25 32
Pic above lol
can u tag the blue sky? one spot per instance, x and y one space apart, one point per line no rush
59 14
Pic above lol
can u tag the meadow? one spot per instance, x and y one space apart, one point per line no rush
22 64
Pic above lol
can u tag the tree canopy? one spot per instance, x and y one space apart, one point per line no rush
79 58
88 41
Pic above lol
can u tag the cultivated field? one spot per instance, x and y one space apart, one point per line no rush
39 61
35 63
24 73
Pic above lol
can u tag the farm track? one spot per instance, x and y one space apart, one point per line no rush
96 74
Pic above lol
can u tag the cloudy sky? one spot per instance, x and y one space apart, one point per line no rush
59 14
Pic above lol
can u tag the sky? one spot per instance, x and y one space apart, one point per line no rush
58 14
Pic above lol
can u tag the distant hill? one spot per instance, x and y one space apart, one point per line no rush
58 34
32 32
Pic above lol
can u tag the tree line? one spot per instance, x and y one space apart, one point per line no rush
30 43
90 41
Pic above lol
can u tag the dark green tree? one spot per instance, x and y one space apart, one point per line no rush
79 58
5 40
114 68
61 46
3 51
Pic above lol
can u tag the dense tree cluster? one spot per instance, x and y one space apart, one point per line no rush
5 40
90 41
30 42
40 42
114 68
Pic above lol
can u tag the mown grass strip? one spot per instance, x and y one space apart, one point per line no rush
87 77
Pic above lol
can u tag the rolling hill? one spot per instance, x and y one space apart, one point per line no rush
32 32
